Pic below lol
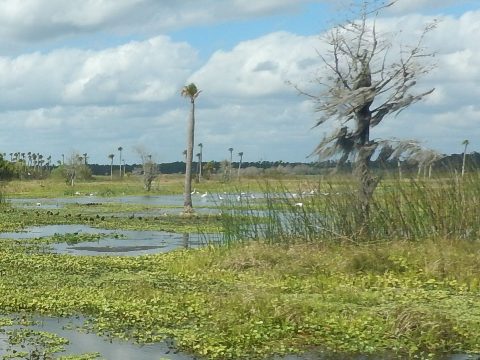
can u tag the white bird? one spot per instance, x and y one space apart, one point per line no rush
252 196
77 193
299 204
220 197
204 195
39 204
193 192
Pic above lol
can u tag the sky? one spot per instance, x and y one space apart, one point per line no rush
89 76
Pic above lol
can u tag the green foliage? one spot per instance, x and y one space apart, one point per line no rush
27 343
7 170
253 301
82 172
13 219
315 281
332 212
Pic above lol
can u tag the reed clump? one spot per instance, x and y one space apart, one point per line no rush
412 210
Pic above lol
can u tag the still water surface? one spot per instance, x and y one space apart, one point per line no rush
129 243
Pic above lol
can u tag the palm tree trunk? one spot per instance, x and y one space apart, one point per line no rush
120 165
464 159
239 167
200 168
187 204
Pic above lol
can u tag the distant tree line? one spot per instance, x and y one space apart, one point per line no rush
18 169
447 163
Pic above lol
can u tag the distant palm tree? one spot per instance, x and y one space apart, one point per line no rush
465 142
111 156
120 160
85 158
191 92
240 164
199 165
200 160
34 160
230 165
40 161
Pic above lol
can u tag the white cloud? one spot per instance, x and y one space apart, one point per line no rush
146 71
128 95
260 67
33 20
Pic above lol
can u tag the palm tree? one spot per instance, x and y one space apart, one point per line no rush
230 165
199 166
465 142
111 156
85 158
240 163
120 160
189 91
200 159
34 159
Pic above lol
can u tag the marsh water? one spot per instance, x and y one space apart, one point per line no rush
114 242
130 243
202 202
80 342
109 349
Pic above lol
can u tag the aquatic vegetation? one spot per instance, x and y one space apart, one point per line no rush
12 219
406 286
253 301
411 210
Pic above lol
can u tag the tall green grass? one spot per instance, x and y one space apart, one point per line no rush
3 198
413 210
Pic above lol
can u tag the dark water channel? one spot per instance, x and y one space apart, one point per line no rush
116 242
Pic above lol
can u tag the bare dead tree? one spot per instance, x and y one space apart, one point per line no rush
150 168
425 159
364 83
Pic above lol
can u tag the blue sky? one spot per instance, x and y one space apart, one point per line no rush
90 76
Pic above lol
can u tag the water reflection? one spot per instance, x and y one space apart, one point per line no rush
186 240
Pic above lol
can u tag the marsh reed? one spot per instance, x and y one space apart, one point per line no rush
413 210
